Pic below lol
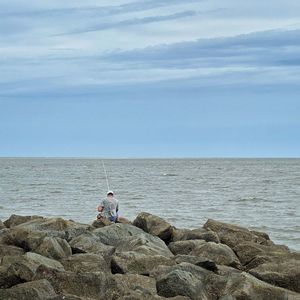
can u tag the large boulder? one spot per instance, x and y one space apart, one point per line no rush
55 227
91 285
126 237
91 243
137 263
219 253
15 220
233 235
184 279
25 238
6 250
184 247
52 247
85 262
198 261
136 282
245 286
194 234
285 274
17 269
154 225
35 290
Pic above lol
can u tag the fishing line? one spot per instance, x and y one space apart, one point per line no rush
105 175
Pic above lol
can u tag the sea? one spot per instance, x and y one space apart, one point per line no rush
260 194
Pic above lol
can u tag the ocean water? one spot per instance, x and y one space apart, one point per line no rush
261 194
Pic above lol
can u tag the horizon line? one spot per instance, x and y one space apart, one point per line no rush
150 157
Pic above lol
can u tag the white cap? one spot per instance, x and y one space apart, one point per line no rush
110 192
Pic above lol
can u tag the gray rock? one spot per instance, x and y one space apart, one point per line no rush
15 220
184 247
126 237
249 251
90 285
55 248
154 225
183 280
35 290
8 250
285 274
17 269
245 286
56 227
26 238
85 262
194 234
202 262
91 243
136 282
233 235
137 263
219 253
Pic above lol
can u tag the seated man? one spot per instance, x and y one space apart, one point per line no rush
108 208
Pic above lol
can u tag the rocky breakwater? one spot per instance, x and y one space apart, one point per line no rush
53 258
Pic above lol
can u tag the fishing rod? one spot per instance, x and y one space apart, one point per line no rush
107 183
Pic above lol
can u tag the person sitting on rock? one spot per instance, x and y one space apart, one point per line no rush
108 208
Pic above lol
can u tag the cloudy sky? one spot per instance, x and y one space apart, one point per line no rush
159 78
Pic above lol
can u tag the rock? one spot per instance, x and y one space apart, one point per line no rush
184 280
285 274
248 251
90 243
198 261
25 238
184 247
135 282
35 290
55 227
127 237
18 269
15 220
98 285
98 224
5 237
245 286
56 248
194 234
86 262
123 220
154 225
232 235
219 253
6 250
136 263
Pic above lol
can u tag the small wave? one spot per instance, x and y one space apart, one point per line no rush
169 174
268 181
55 192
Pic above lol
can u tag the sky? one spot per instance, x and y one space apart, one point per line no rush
149 78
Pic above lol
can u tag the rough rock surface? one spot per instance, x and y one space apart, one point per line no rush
194 234
137 263
154 225
34 290
55 259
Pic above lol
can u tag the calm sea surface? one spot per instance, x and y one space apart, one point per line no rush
263 194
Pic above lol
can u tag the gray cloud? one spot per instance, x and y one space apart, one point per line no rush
276 47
